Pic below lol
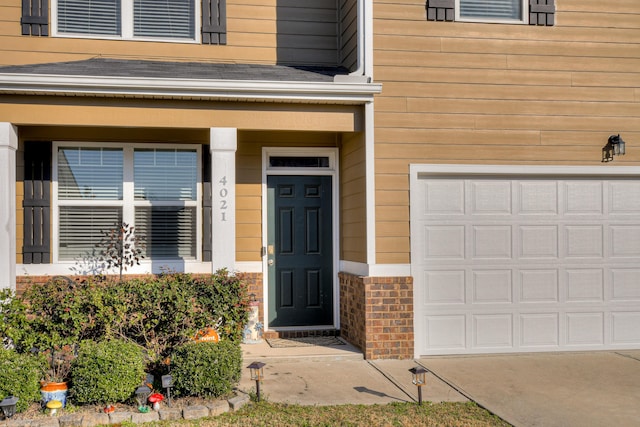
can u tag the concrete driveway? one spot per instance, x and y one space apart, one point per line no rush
549 389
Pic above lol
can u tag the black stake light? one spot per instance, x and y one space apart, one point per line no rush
257 374
8 406
419 378
167 383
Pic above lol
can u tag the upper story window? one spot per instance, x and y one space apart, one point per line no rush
126 19
532 12
491 10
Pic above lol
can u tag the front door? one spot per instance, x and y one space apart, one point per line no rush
300 250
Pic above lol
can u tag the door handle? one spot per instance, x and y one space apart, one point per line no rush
270 262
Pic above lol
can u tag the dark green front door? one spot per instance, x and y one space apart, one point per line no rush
300 250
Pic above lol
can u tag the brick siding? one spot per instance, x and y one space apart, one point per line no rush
376 315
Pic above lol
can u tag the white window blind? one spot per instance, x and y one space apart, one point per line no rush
164 18
89 17
81 228
168 232
491 9
89 173
165 174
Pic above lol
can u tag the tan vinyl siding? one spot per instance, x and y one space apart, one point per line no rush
249 182
258 31
498 94
353 209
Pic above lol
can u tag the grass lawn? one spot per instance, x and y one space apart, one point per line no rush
394 414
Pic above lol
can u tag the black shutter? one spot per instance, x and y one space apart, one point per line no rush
35 17
542 12
206 204
441 10
37 203
214 21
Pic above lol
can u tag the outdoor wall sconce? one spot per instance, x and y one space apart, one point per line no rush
8 405
615 147
419 378
257 374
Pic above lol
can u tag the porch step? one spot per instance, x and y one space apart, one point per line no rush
301 334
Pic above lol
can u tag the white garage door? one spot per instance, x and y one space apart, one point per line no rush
525 259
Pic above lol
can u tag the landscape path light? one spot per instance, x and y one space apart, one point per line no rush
142 394
257 374
167 383
8 405
419 378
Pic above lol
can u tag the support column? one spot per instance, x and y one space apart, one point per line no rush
8 148
224 144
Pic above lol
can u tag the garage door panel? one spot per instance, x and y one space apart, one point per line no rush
625 241
585 329
584 241
492 287
492 242
446 332
538 241
493 331
625 285
491 197
444 241
584 285
624 197
538 197
445 287
583 198
525 263
539 285
625 330
539 330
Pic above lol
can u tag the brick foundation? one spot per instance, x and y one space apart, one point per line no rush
376 315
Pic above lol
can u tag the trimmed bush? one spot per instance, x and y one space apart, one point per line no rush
206 368
20 376
157 312
106 372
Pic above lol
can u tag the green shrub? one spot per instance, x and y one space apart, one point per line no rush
106 372
157 312
206 368
20 376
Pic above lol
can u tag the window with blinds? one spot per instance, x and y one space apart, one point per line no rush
89 17
166 19
155 190
491 10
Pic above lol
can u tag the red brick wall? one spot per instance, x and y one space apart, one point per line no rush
376 315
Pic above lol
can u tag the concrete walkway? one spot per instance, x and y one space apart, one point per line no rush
545 389
336 375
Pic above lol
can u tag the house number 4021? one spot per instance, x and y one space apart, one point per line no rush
224 192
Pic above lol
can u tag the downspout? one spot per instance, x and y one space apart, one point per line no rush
363 70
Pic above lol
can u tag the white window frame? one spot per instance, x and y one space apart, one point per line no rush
127 26
524 19
128 202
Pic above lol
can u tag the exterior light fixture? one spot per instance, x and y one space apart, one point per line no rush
257 374
167 383
419 378
142 394
615 147
8 406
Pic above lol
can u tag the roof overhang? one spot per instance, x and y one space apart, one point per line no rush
340 92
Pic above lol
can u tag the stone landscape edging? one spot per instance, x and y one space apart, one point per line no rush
93 419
